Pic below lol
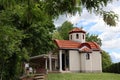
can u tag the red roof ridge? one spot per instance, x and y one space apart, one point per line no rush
76 30
85 49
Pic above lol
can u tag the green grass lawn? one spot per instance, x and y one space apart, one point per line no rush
83 76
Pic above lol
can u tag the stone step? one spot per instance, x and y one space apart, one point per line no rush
39 76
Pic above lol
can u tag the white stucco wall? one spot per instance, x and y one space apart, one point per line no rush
86 64
74 61
82 62
96 61
78 62
80 39
94 64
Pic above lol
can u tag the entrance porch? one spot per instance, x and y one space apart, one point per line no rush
63 59
50 63
44 63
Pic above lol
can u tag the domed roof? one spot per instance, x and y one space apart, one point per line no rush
77 30
91 45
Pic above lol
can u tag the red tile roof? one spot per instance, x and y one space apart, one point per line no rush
67 44
76 30
91 45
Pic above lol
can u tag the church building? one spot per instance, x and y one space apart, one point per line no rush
77 55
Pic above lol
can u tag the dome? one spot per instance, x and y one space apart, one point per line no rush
77 30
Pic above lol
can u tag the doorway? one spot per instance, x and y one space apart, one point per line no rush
65 60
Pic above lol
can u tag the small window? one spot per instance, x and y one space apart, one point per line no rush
83 36
77 36
87 56
71 37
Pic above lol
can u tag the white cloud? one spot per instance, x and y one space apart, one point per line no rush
115 56
111 44
74 19
60 20
88 17
100 26
110 33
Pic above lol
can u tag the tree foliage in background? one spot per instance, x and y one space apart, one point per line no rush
27 26
64 30
106 60
56 35
93 38
114 68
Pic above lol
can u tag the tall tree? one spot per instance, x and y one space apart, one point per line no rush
64 30
10 52
106 60
56 35
33 19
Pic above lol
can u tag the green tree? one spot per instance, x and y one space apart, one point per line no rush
56 35
106 60
34 20
93 38
24 32
10 52
64 30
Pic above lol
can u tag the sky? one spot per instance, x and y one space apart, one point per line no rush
94 24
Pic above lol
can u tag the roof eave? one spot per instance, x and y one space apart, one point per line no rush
85 51
96 49
77 32
68 48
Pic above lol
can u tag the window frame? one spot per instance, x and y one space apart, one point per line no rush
87 56
71 37
77 36
83 36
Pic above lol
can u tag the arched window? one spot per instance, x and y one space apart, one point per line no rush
83 36
71 37
87 56
77 36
